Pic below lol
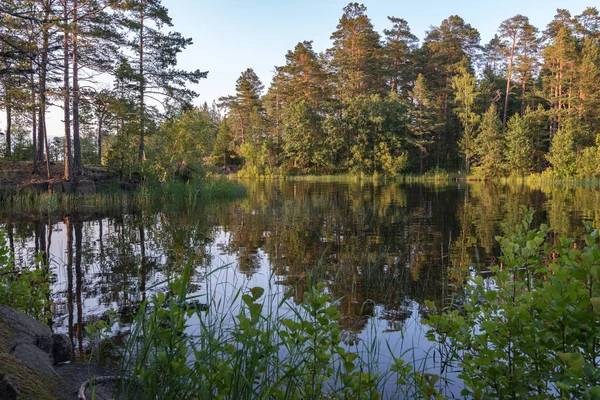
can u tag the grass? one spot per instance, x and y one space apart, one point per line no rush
551 180
184 195
251 345
435 176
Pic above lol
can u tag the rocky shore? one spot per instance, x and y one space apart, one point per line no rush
17 176
36 364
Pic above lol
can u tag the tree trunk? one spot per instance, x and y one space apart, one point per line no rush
142 149
76 95
67 96
8 127
523 88
42 136
508 79
34 133
100 121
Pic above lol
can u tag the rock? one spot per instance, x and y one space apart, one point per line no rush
66 186
61 186
35 187
34 358
62 348
26 330
85 187
25 358
126 186
8 390
73 375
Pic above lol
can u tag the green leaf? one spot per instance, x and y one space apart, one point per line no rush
257 292
491 295
587 258
596 304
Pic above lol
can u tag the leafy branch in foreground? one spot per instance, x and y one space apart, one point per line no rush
27 289
533 328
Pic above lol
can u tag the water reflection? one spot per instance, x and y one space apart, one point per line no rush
382 249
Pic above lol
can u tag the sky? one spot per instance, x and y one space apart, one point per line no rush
232 35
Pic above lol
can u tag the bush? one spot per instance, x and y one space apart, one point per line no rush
533 328
27 290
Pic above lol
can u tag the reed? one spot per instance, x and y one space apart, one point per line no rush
255 344
172 194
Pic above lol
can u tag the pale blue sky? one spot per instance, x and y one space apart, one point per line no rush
232 35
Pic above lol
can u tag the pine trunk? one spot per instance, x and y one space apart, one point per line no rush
142 150
8 128
67 98
76 95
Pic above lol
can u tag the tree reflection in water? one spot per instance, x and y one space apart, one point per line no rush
382 249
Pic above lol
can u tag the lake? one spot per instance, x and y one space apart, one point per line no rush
382 249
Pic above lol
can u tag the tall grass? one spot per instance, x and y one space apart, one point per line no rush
549 179
433 176
57 203
173 194
254 345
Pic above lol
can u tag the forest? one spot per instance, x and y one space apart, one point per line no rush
526 102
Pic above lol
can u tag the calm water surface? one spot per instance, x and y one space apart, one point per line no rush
383 250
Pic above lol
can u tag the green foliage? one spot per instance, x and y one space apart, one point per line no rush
304 143
121 154
489 146
27 290
177 152
588 163
465 89
378 132
518 149
249 351
254 346
532 329
562 154
390 164
223 152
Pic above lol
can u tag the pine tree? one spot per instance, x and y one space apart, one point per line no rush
489 145
518 149
356 55
400 45
422 119
446 51
588 85
303 76
465 92
156 60
246 102
246 115
519 40
559 70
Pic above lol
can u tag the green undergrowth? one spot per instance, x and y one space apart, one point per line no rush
549 179
26 289
158 195
533 328
434 175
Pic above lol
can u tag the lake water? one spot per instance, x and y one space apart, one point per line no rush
383 250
